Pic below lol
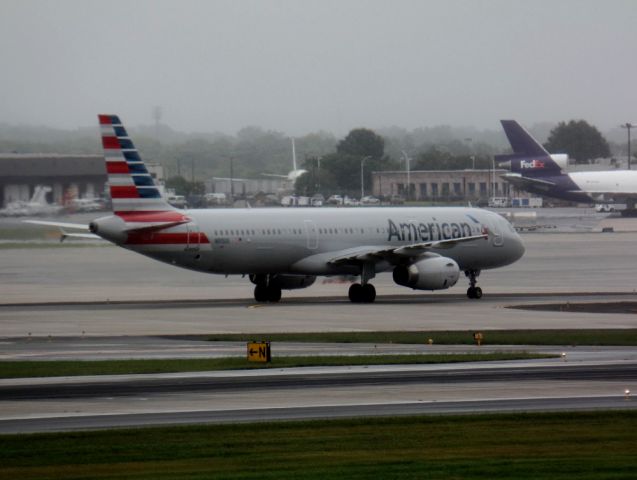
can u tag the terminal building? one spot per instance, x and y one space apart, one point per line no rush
245 187
443 185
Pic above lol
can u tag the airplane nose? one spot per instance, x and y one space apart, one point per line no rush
518 247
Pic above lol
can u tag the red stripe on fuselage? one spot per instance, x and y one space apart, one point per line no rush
117 167
154 238
152 216
111 143
118 191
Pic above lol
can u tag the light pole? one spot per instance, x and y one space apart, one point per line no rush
472 157
232 180
407 166
362 178
628 126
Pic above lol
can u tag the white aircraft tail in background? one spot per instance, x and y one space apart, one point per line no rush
37 205
295 173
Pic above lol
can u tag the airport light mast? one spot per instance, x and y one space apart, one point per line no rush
407 166
362 179
628 126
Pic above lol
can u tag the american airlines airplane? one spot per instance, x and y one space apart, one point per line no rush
286 249
535 170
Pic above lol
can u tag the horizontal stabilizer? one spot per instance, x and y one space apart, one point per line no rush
154 226
79 236
517 179
74 226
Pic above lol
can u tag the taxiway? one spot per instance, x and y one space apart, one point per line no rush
104 303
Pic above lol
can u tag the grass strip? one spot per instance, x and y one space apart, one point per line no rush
25 369
557 446
592 337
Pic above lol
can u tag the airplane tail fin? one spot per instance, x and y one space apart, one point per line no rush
131 186
135 195
521 141
529 157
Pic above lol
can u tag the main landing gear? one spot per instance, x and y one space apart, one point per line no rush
364 292
265 290
473 291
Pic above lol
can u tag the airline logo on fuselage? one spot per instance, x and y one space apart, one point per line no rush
531 164
426 232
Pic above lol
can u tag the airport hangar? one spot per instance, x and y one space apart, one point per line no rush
68 175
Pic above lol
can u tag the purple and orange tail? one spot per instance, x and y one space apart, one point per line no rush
529 157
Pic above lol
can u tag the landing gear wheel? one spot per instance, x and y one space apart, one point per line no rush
369 293
273 293
261 293
362 293
474 292
355 293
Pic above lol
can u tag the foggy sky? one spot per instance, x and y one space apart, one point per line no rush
301 66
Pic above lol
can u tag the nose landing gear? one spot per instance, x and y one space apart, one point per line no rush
473 291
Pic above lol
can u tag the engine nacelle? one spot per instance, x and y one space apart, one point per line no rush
285 282
293 282
434 273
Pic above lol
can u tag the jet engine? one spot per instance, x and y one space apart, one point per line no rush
285 282
433 273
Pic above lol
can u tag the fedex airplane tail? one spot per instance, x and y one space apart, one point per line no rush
529 157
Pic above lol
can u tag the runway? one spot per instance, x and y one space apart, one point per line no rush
105 303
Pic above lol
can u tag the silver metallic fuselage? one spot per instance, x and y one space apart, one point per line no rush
305 240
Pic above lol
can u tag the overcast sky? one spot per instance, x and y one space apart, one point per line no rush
300 66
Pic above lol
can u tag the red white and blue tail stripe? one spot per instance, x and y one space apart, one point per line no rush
135 195
131 186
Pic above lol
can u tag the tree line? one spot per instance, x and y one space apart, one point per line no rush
333 165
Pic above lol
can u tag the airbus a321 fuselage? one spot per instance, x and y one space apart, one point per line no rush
279 249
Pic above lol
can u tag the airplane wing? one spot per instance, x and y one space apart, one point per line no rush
374 254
